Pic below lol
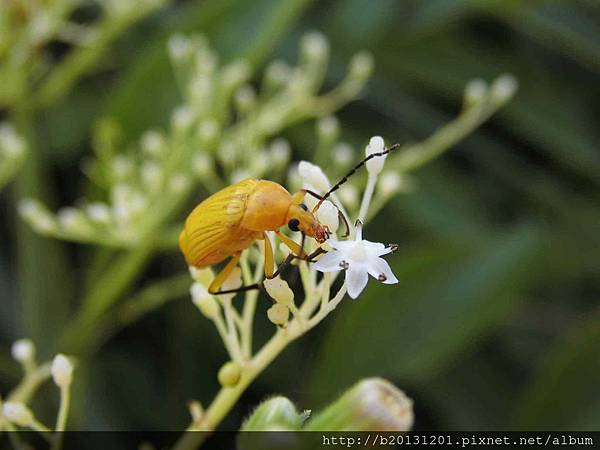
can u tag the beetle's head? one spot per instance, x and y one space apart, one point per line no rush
299 218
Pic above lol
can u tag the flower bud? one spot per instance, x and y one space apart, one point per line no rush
182 118
37 215
152 175
180 48
361 65
314 45
279 290
475 91
389 183
245 99
18 413
328 128
236 73
205 302
371 404
23 350
203 276
153 143
202 164
280 152
275 414
277 73
375 165
327 214
278 314
11 143
62 371
229 374
504 87
343 154
98 212
314 176
179 182
208 131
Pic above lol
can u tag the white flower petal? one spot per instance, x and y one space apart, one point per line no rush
344 246
358 231
375 248
330 262
380 270
356 279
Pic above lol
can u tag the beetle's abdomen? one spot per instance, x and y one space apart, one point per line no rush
212 231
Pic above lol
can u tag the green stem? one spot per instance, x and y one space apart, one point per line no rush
30 384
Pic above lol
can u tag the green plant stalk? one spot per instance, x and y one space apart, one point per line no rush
30 384
228 396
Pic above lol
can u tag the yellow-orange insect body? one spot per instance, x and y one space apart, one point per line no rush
230 220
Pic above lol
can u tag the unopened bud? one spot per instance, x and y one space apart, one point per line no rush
229 374
278 314
245 99
371 404
204 301
314 176
314 45
180 48
37 215
328 128
475 91
62 371
343 154
182 118
203 276
23 350
98 212
279 290
504 87
18 413
375 164
361 65
389 183
275 414
277 73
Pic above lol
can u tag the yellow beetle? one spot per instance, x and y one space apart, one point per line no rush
229 221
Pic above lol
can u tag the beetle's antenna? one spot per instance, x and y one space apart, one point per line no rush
354 169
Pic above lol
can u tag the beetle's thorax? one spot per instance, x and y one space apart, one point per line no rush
266 207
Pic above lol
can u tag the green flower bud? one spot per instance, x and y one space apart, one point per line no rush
278 314
275 414
373 404
229 374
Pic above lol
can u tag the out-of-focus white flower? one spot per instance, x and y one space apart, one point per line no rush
503 87
98 212
361 65
314 176
475 91
204 301
375 165
23 350
62 371
18 413
359 258
314 45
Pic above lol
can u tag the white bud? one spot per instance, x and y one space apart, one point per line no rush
152 176
236 73
328 127
203 276
261 161
280 151
245 98
361 65
375 165
11 143
343 154
475 91
180 48
202 164
327 214
179 182
153 143
208 130
98 212
314 176
62 371
122 166
204 301
504 87
37 215
23 350
18 413
182 118
201 89
72 220
277 73
278 314
389 183
314 45
234 281
279 290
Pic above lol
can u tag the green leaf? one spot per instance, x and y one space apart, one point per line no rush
448 297
564 394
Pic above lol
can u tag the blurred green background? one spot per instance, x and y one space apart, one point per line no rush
495 323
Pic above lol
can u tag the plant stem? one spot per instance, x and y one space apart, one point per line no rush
30 384
228 396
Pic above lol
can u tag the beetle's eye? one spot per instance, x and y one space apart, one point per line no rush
293 224
303 206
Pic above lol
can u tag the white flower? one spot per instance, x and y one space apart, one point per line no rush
62 371
18 413
358 258
375 165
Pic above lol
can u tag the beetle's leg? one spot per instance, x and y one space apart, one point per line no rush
224 274
289 243
269 256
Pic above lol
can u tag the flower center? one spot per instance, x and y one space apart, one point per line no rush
359 252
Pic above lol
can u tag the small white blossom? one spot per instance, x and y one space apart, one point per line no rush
375 165
18 413
62 371
504 87
314 176
327 214
359 258
279 290
23 350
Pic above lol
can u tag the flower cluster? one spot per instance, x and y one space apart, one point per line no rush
14 410
222 132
